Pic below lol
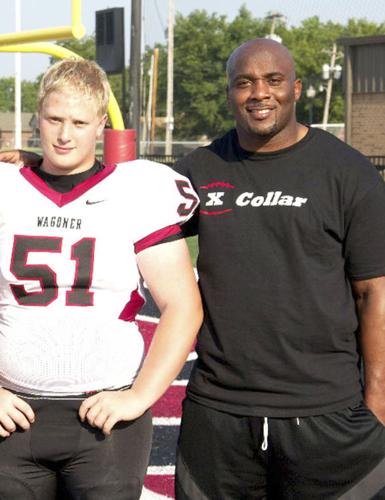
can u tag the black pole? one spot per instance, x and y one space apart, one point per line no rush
135 61
124 97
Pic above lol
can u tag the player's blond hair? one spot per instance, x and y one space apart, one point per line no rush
84 77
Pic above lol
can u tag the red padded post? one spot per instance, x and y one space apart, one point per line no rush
119 145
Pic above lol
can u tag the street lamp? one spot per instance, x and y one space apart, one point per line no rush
310 94
331 72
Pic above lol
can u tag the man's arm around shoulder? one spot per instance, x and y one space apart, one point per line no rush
20 157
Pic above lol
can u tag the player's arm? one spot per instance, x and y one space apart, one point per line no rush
14 412
167 271
20 157
370 300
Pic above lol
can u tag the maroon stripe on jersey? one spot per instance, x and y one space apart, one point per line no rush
132 307
61 199
170 404
156 237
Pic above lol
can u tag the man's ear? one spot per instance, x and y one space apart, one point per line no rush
102 124
297 89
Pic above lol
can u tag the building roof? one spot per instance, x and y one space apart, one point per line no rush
362 40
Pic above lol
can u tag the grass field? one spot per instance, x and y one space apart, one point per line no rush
192 244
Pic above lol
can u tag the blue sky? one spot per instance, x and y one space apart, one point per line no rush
47 13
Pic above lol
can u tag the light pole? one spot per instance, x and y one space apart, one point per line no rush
310 94
273 16
330 72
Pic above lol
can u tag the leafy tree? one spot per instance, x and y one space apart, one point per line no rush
29 91
200 53
7 95
85 47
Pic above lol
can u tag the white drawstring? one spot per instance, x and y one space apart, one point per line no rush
265 434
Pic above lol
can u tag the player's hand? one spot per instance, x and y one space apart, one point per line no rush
14 412
20 157
105 409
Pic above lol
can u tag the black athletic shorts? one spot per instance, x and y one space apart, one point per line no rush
61 450
221 456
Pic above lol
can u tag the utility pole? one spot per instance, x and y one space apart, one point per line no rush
135 62
273 16
170 79
154 89
330 73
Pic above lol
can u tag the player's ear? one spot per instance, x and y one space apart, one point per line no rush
102 124
297 89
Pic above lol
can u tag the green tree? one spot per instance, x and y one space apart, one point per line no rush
85 47
7 95
200 52
29 91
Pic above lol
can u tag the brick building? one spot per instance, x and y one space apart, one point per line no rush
364 83
7 129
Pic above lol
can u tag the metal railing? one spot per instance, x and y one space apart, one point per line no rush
379 163
166 159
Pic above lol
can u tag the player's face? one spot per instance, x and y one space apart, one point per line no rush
69 127
262 92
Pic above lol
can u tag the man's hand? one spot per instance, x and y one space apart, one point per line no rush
14 412
20 157
105 409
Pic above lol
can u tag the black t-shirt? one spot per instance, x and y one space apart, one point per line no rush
281 235
65 183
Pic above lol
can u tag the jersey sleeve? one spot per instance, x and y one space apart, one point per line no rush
164 201
364 246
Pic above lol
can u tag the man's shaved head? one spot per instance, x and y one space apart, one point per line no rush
261 45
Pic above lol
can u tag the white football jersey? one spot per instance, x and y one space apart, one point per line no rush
69 282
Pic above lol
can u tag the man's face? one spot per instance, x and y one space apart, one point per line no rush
69 127
262 92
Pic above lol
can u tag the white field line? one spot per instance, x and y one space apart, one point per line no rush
161 470
149 319
179 383
150 495
171 421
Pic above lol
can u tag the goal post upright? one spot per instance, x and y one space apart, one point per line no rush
76 30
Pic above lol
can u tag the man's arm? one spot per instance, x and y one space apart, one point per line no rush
167 271
20 157
370 300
